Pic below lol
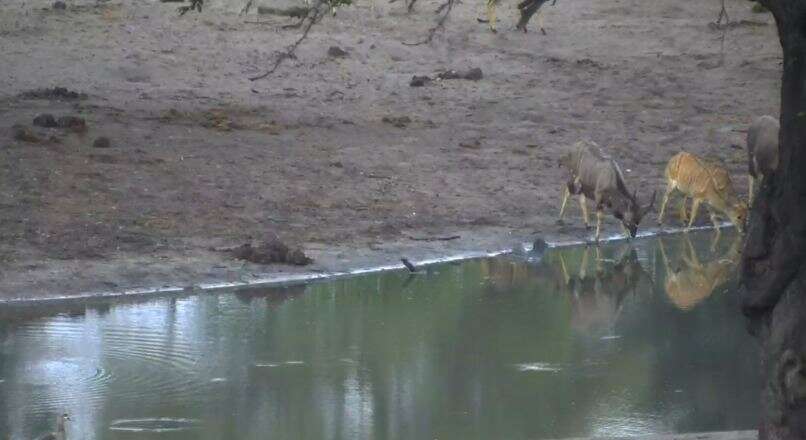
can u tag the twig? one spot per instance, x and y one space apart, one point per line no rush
194 4
246 7
723 13
448 238
411 267
447 7
313 16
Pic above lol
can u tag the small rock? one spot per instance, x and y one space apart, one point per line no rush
397 121
539 245
59 6
474 74
473 144
73 123
419 81
54 93
25 134
271 251
45 120
337 52
102 142
297 258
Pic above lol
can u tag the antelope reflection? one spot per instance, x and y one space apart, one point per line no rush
597 299
690 284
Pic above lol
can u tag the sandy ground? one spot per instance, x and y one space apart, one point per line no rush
202 158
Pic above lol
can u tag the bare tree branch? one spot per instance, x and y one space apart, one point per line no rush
247 7
194 4
723 13
314 15
446 7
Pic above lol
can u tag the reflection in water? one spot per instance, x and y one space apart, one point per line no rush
575 344
596 298
695 281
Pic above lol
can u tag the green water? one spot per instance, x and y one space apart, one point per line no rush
507 348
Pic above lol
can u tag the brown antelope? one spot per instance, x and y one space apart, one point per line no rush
597 177
762 150
703 181
527 9
688 286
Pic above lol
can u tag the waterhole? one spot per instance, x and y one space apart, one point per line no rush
628 339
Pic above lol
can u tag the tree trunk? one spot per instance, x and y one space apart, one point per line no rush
773 271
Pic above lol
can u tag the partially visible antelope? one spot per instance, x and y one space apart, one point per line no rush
598 177
703 181
762 150
688 286
527 9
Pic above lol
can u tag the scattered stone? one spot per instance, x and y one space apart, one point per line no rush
419 81
74 123
59 6
24 134
473 74
337 52
539 245
397 121
54 93
474 144
271 251
102 142
45 120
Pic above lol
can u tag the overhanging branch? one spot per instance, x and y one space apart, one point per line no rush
446 7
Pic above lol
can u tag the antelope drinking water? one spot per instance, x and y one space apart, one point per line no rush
703 181
597 177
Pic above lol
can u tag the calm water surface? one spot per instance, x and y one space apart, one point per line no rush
644 339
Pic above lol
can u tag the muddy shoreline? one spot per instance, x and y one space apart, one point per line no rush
339 155
420 258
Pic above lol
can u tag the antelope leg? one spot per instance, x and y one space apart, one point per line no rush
566 195
491 13
584 207
682 211
598 223
669 189
714 218
695 207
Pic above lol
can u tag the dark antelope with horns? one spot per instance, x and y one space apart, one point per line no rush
597 177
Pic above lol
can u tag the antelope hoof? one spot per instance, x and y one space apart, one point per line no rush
542 31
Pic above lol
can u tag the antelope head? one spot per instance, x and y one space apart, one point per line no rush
633 212
738 215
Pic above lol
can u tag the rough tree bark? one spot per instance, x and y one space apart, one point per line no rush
773 271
